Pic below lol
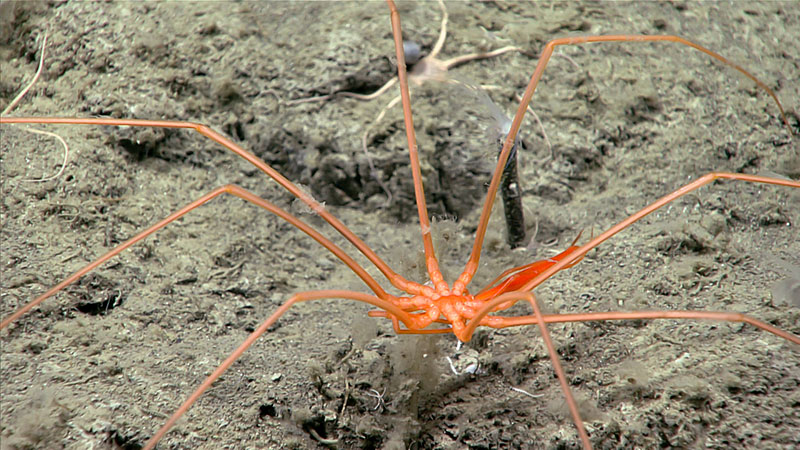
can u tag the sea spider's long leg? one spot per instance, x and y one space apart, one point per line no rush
541 320
562 377
431 263
227 189
394 278
297 298
472 263
720 316
696 184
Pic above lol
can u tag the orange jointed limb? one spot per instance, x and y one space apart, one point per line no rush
472 263
431 262
646 315
562 377
297 298
700 182
227 189
397 280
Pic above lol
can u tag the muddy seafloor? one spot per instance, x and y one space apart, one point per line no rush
102 364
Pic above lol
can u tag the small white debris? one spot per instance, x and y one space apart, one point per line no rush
683 359
526 392
471 369
464 362
452 366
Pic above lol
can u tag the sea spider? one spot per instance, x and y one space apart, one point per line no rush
193 308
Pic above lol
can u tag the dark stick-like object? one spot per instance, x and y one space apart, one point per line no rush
512 200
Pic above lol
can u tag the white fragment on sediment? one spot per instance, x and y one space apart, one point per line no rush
521 391
452 366
466 359
683 359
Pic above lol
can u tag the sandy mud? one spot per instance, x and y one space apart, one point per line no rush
103 363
